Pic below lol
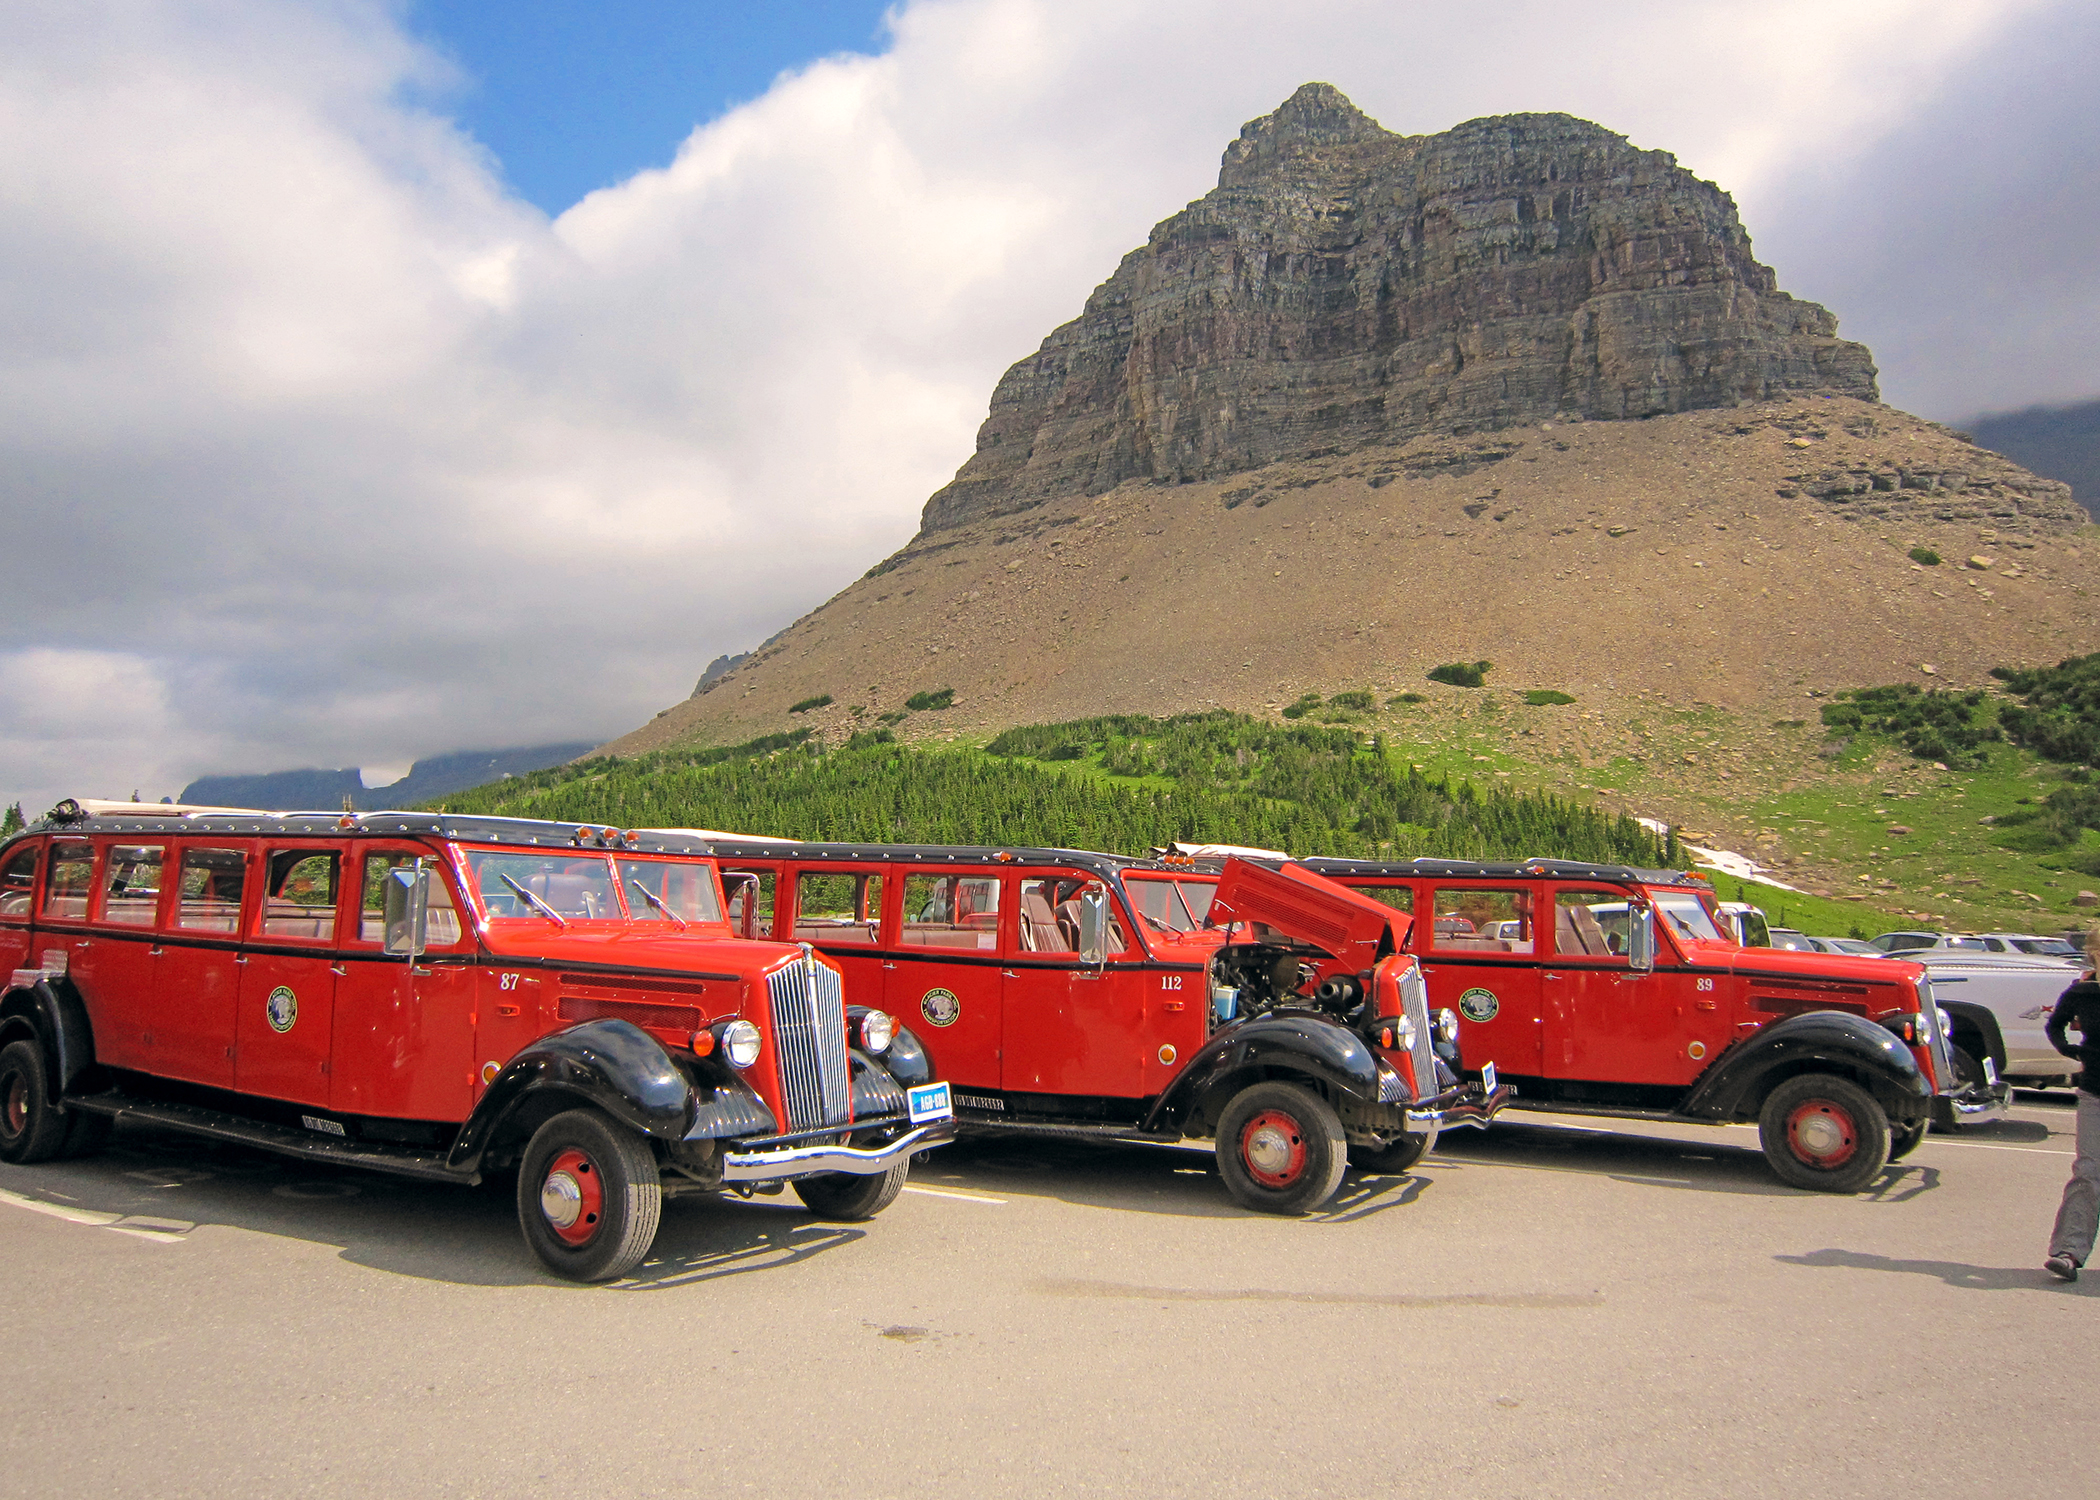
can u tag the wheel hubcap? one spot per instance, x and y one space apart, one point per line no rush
17 1104
1822 1134
1273 1147
572 1197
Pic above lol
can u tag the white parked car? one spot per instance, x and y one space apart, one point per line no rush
2032 945
1996 1005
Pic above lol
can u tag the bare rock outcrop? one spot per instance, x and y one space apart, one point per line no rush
1345 287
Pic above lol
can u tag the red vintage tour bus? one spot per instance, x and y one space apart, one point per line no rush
444 997
1069 993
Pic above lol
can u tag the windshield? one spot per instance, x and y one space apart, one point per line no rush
1688 917
593 887
682 892
2049 947
1170 905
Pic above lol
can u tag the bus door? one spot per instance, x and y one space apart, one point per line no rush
284 1025
404 1031
200 965
1072 1027
941 973
1607 1021
1479 951
116 967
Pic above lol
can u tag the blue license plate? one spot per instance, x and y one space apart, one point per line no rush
930 1101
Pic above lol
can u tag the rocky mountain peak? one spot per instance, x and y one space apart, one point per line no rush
1345 287
1318 115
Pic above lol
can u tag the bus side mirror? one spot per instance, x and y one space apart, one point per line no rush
1640 938
407 910
1093 927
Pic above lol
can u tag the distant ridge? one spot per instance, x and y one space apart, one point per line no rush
320 789
2062 442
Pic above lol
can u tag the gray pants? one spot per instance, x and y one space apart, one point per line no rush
2076 1220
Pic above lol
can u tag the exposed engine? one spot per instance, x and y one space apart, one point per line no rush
1247 979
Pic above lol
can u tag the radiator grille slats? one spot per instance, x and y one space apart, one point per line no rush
1422 1055
809 1038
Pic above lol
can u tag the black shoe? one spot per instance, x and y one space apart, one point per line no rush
2062 1267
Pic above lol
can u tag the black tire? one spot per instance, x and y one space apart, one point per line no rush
605 1178
31 1130
1400 1156
1824 1133
86 1134
1280 1149
847 1198
1904 1139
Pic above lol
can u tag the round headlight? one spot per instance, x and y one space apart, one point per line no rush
740 1043
1447 1024
876 1030
1403 1033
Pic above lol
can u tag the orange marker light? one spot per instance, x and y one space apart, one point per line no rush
703 1043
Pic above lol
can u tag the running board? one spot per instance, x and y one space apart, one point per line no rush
1534 1105
429 1166
1129 1133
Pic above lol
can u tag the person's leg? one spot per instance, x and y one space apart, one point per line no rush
2077 1219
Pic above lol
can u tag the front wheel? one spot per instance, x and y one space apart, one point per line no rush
847 1198
1824 1133
1281 1148
31 1130
1904 1139
1400 1156
589 1196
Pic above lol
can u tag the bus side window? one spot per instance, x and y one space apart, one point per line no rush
17 882
72 871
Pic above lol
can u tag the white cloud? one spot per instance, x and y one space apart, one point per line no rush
317 448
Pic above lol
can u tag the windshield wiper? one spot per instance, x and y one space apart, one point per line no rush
534 902
656 901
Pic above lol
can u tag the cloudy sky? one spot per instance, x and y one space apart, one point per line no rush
379 380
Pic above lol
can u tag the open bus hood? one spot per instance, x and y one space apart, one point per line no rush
1310 908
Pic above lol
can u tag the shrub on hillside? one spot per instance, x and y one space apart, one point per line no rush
2061 718
1932 725
1925 555
809 703
941 698
1306 703
1357 702
1399 698
1466 674
1545 697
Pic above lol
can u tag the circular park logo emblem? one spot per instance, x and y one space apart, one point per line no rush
282 1009
1479 1005
940 1007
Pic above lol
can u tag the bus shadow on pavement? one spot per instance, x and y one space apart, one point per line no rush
1659 1161
467 1236
1953 1273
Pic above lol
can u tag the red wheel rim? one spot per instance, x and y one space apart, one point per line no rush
17 1104
1822 1133
1272 1148
572 1197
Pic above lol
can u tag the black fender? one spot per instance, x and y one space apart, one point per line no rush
52 1011
1283 1043
1826 1041
614 1065
907 1060
1967 1015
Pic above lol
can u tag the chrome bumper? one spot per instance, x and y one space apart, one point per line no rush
1978 1104
1465 1105
804 1161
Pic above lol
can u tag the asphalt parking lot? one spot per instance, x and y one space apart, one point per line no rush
1548 1308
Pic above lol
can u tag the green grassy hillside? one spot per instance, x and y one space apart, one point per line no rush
1844 803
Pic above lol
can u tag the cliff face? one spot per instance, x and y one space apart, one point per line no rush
1345 287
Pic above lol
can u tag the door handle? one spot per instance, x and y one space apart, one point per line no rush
240 958
1702 1005
1008 974
153 952
506 1010
887 964
337 969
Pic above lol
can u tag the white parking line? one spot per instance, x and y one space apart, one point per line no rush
160 1231
949 1193
1987 1146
